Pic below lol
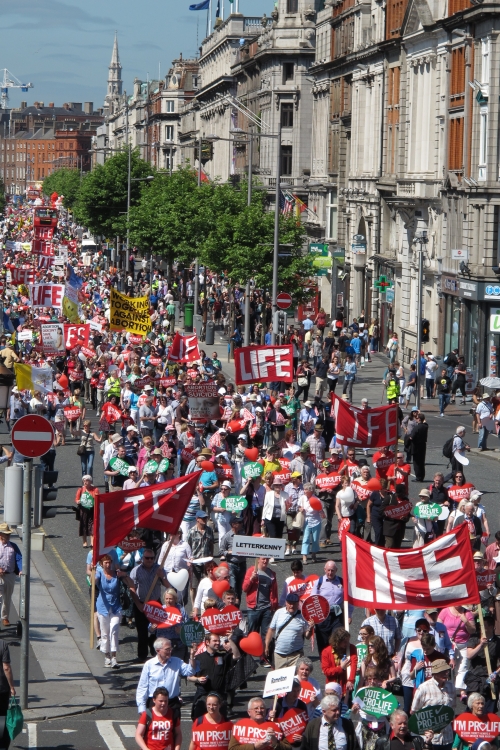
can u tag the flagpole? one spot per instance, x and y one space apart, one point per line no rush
486 651
160 563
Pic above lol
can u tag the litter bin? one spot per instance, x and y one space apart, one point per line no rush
197 324
188 317
210 334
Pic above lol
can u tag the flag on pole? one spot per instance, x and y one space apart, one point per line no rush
159 506
184 348
200 6
439 574
286 203
32 379
217 12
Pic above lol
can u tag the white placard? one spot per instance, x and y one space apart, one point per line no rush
258 546
95 326
279 681
24 335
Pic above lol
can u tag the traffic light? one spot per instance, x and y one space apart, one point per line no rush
282 323
425 331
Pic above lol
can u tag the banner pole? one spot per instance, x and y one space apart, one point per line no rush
346 615
92 606
160 563
486 652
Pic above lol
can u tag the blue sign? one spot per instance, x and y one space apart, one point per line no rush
389 296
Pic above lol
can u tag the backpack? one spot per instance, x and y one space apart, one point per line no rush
448 448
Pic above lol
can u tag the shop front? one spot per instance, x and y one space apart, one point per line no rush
491 295
460 322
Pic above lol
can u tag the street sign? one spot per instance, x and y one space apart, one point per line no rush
283 300
318 247
389 296
32 436
460 254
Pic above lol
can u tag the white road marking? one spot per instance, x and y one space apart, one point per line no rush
32 741
64 731
109 735
128 730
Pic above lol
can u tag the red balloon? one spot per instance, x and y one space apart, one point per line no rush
315 503
218 587
207 466
252 644
374 484
252 454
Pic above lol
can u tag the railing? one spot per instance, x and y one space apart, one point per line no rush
250 23
271 181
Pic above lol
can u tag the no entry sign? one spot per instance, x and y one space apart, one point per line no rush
32 436
283 300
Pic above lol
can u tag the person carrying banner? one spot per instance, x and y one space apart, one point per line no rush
261 587
437 691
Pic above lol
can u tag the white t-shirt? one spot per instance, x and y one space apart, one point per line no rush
430 369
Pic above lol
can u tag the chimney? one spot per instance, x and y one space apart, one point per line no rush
76 106
23 105
41 105
88 108
36 104
51 104
66 105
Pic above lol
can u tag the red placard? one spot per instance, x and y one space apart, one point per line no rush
315 608
135 339
485 578
161 615
131 544
310 581
110 413
221 620
184 349
186 456
141 382
76 334
263 364
327 482
310 309
76 376
89 353
236 425
248 732
398 511
293 722
32 436
72 413
470 728
167 382
297 586
343 527
155 361
364 428
307 691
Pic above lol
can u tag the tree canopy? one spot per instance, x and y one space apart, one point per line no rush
64 182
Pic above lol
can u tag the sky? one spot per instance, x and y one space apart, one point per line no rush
63 47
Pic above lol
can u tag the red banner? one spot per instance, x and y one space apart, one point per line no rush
23 275
439 574
184 349
263 364
161 506
364 428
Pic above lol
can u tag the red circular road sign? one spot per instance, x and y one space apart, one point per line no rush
283 300
32 436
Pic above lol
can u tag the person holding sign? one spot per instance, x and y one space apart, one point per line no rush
222 516
400 736
478 677
211 731
438 691
291 714
256 733
117 469
213 666
289 629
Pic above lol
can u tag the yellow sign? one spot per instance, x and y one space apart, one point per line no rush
129 313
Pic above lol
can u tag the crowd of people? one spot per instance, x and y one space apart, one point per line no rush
119 396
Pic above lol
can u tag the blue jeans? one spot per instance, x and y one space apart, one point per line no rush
236 576
444 400
483 438
259 620
87 463
311 537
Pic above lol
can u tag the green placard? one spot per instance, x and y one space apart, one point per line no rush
234 503
192 632
151 467
428 511
434 718
377 701
86 500
362 650
165 463
252 470
117 464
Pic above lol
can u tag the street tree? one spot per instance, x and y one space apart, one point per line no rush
65 182
102 200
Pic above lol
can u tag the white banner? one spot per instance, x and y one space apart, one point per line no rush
278 681
259 546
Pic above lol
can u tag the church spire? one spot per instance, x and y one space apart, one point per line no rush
114 76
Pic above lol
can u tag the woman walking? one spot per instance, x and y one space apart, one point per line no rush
86 449
85 501
312 524
109 610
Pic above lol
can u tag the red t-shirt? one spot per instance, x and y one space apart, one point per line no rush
160 733
383 462
208 736
400 479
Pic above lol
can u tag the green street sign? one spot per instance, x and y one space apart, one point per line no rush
431 718
118 465
428 511
377 701
192 632
252 470
234 503
318 247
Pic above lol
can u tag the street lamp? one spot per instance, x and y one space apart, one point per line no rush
421 240
7 380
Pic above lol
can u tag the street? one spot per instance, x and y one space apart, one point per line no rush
112 726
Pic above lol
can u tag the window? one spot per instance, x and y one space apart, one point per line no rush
457 84
394 17
288 72
332 215
286 160
483 136
170 105
455 6
169 156
292 6
287 115
169 132
394 77
456 144
485 60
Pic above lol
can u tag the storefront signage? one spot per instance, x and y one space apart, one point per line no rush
491 291
318 247
494 319
468 289
450 285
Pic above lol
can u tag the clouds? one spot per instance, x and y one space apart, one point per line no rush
50 14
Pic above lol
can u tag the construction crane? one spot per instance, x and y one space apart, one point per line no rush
9 81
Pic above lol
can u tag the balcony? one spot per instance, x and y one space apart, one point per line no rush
271 181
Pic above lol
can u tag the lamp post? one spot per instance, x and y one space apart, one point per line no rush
421 240
7 380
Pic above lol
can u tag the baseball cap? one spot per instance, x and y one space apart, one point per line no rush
292 598
201 514
295 474
235 519
242 437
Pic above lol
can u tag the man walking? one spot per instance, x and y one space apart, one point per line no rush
143 576
484 411
164 670
289 629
